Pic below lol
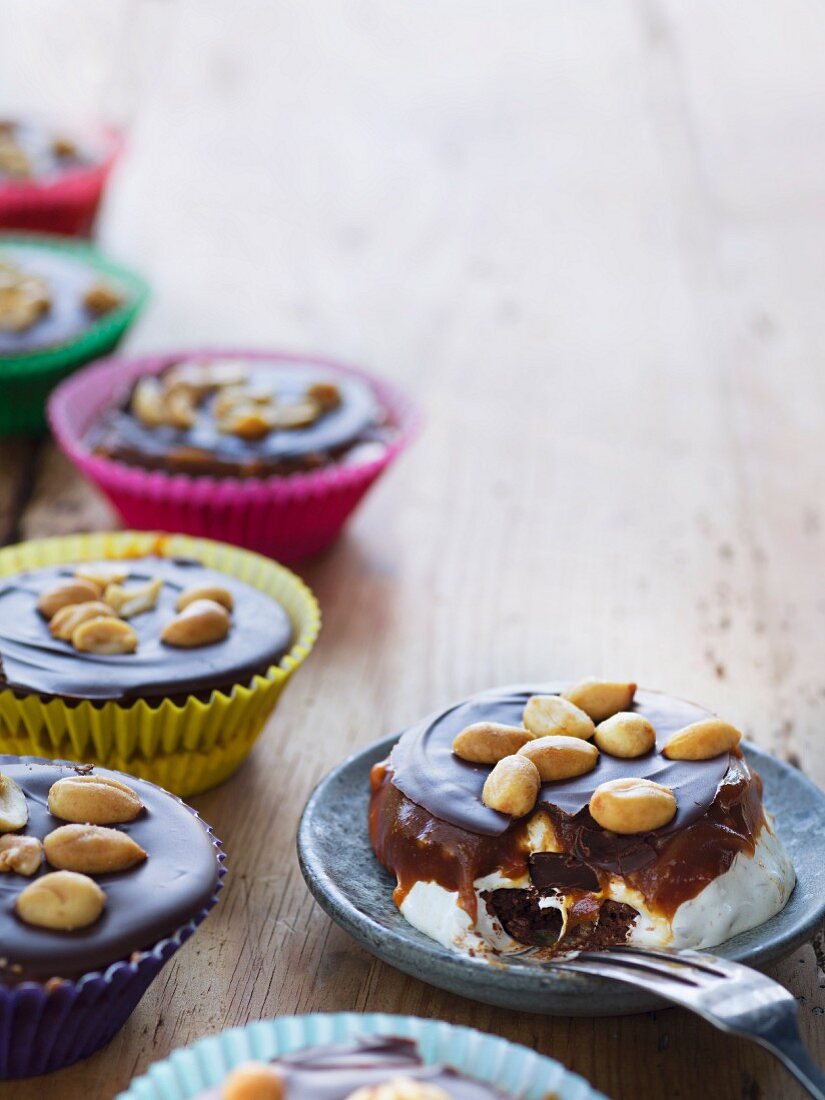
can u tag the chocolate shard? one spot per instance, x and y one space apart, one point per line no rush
556 870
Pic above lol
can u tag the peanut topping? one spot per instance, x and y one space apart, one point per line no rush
21 854
253 1081
91 849
512 787
702 740
560 757
300 414
94 799
326 394
625 735
23 298
601 698
629 806
201 622
247 422
101 298
64 622
14 810
105 637
102 573
489 742
400 1088
147 402
62 900
205 592
133 600
550 715
66 593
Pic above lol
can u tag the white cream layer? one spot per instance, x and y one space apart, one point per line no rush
751 891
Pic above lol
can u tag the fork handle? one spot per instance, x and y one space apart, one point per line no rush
789 1049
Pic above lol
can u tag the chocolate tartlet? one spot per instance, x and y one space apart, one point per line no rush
353 1069
49 297
505 825
242 418
166 876
150 628
29 151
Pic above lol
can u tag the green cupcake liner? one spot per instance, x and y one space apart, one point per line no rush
27 378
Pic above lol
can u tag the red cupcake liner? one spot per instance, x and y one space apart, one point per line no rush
286 517
65 202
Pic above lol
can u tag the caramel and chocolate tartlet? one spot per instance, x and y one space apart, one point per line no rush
376 1068
32 152
583 818
150 628
242 418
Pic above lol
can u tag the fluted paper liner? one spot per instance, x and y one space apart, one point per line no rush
186 748
516 1070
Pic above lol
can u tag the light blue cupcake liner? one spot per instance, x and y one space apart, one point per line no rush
515 1069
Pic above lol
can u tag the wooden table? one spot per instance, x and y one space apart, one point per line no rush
590 239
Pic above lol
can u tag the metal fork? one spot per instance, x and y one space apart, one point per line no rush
730 996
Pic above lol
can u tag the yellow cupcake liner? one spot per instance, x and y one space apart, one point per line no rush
186 748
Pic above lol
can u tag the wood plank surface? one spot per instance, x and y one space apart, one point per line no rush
590 240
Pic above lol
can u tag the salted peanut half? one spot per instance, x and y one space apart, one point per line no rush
14 810
552 716
214 592
91 849
512 787
601 698
102 573
326 394
247 422
21 854
63 624
632 805
105 636
61 900
133 599
93 799
147 402
400 1088
200 623
626 735
101 298
702 740
489 742
560 757
66 593
299 414
253 1081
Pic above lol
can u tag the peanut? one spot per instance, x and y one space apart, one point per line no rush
66 593
101 298
489 742
14 810
326 394
105 636
702 740
147 402
247 422
601 698
102 573
560 757
550 715
626 735
253 1081
63 624
134 600
21 854
205 592
61 900
93 799
400 1088
91 849
632 805
299 414
512 787
201 622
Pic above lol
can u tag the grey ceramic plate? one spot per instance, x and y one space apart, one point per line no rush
355 890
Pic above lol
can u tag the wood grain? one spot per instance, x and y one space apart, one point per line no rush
590 239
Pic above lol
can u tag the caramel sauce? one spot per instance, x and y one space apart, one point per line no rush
667 870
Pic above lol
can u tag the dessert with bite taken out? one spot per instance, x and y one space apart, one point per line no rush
577 818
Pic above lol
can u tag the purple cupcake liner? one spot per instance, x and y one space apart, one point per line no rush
46 1026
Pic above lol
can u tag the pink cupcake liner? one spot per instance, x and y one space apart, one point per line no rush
66 202
286 517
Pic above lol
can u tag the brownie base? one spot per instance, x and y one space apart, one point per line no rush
520 915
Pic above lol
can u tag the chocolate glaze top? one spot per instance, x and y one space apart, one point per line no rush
427 771
334 1072
144 905
31 660
69 278
203 447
